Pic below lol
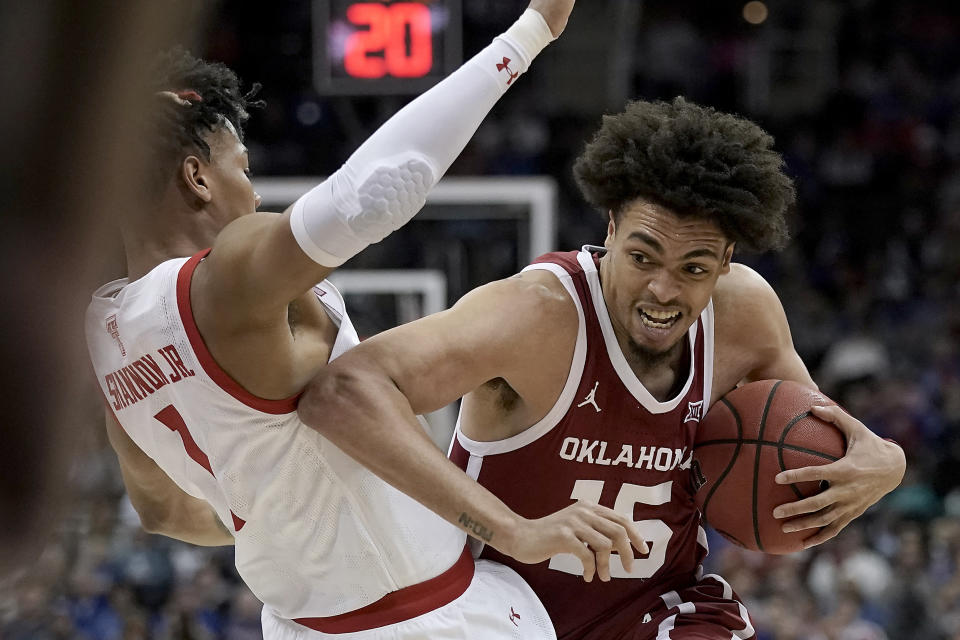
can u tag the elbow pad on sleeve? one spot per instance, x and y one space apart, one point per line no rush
386 181
337 219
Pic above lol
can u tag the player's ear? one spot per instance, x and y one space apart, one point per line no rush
727 257
192 170
611 231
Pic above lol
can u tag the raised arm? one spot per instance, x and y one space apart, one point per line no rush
752 317
509 329
261 262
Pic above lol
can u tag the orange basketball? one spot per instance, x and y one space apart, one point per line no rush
746 439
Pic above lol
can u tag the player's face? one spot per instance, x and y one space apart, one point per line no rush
659 274
228 177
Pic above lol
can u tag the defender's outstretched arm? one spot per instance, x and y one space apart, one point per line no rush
261 262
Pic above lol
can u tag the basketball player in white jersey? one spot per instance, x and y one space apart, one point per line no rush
585 376
201 353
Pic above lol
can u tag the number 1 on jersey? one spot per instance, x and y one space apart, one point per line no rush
170 417
656 532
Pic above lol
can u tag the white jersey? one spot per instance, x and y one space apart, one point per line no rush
316 533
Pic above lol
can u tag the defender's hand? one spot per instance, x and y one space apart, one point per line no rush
871 468
555 12
589 531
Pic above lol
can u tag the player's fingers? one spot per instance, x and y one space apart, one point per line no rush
620 540
601 546
807 474
603 565
587 559
595 540
816 520
837 417
625 523
826 533
625 550
807 505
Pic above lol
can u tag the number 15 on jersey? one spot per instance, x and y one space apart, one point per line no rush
656 532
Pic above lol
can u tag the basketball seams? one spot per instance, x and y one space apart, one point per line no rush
756 463
798 439
733 538
780 443
733 458
770 443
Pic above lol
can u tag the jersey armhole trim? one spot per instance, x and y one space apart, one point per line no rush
205 358
560 407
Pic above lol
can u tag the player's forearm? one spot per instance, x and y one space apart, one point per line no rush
171 512
386 181
194 521
369 419
439 123
163 507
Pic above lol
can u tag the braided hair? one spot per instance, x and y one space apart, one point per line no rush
191 98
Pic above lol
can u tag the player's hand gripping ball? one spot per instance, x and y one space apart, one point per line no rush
746 439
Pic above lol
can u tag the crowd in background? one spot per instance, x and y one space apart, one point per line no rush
870 284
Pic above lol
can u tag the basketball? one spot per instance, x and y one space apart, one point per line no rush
746 439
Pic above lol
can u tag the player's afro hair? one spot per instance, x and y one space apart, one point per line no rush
191 98
695 161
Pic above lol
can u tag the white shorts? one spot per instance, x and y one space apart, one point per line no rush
498 605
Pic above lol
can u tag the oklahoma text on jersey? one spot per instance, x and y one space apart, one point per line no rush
594 452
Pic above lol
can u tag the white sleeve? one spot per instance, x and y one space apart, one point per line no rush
386 181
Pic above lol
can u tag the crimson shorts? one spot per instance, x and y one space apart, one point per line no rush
707 610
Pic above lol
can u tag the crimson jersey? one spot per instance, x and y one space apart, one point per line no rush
608 440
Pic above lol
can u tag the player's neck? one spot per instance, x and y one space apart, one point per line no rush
663 374
145 249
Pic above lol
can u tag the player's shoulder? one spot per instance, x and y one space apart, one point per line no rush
543 287
741 280
741 289
226 272
746 306
250 223
535 292
532 302
231 250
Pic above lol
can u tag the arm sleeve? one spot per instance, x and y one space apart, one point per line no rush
386 181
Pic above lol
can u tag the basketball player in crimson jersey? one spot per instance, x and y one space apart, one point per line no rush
585 376
201 353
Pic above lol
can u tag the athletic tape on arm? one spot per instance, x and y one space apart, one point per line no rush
386 181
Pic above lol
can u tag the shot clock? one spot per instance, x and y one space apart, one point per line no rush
385 47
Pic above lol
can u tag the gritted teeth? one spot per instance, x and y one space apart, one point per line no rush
659 319
661 316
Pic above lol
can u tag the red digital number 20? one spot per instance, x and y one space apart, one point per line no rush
386 32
